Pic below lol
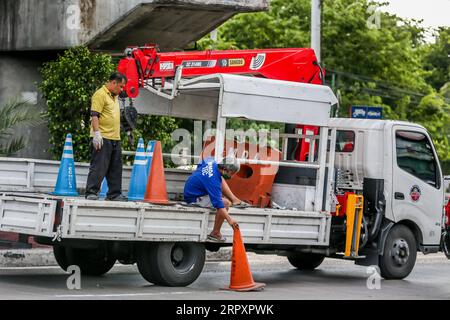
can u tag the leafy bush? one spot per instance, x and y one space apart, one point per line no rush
68 84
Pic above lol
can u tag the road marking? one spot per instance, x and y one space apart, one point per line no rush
125 294
52 267
27 268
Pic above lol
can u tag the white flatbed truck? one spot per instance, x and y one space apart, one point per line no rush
168 242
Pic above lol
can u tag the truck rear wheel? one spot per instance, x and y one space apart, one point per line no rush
60 256
173 264
400 252
92 262
305 261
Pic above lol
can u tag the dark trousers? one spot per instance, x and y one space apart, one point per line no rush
106 162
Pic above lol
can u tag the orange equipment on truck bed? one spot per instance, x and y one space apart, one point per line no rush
146 67
253 183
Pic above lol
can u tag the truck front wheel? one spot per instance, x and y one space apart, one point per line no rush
305 261
173 264
400 252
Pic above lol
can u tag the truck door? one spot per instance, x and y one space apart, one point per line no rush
417 182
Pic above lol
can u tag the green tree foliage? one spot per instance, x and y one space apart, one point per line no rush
13 114
68 84
152 128
436 59
371 57
434 114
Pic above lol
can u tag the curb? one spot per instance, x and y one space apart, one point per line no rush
20 258
27 258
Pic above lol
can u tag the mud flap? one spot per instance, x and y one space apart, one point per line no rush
374 250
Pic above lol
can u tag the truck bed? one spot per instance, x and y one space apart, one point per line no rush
34 214
27 206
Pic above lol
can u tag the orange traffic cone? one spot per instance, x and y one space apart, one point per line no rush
241 278
156 191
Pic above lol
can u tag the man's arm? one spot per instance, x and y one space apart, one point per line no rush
95 124
224 214
96 110
228 193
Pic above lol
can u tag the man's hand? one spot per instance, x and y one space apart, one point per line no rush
97 140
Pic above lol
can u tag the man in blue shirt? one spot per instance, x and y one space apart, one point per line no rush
206 187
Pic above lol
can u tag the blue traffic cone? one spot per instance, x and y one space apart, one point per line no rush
104 188
138 181
149 153
66 184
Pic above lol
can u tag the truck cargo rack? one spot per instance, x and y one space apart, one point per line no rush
34 214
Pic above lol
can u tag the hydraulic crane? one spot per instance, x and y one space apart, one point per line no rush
146 67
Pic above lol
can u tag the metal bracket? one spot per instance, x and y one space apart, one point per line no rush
58 234
175 85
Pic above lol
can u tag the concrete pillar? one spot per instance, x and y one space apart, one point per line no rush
19 78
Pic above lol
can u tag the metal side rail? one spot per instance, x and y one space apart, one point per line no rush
138 221
27 215
34 175
35 214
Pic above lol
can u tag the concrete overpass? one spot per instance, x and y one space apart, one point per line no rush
33 31
112 25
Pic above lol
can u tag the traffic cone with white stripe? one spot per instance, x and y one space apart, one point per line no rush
66 184
138 179
149 152
104 188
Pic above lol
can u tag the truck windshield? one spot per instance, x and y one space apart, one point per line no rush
415 155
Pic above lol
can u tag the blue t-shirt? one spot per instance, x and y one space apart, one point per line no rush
205 180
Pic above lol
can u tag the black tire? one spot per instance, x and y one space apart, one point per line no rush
92 262
400 252
305 261
60 256
173 264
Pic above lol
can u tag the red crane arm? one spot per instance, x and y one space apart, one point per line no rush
292 64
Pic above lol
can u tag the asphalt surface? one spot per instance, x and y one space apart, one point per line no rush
334 279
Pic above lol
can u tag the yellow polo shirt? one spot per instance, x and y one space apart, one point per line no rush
107 105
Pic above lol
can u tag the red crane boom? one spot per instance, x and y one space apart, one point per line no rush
146 63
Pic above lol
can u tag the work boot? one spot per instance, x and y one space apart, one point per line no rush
91 196
117 198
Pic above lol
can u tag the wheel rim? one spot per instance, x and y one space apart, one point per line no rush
182 258
400 252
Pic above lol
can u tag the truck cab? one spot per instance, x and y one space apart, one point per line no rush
395 165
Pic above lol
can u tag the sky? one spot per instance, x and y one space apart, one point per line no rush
434 12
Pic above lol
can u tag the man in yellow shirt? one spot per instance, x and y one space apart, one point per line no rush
106 151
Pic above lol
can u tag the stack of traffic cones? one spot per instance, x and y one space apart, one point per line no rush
138 179
66 184
149 153
104 188
156 191
241 277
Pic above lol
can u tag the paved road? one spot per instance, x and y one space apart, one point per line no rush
334 279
